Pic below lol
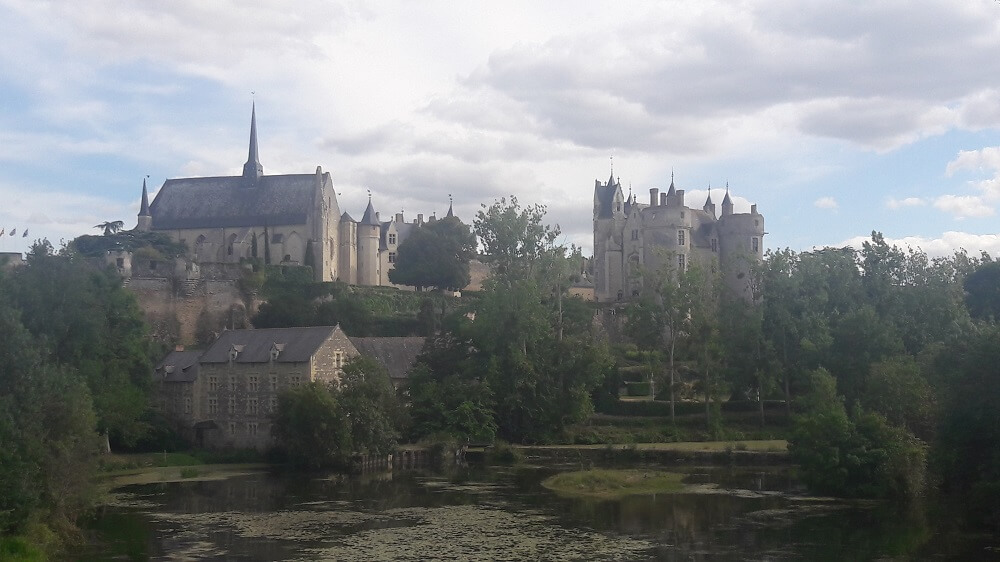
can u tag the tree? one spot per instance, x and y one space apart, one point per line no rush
371 408
311 429
513 239
48 431
435 254
982 288
110 227
93 326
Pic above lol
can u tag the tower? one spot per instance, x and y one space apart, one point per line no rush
368 233
145 223
252 170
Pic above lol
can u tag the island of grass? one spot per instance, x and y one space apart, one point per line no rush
612 484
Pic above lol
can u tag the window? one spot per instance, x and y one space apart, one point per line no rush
232 382
277 238
252 429
274 383
253 406
213 405
682 214
392 257
392 238
187 404
618 206
338 360
756 244
272 404
232 404
232 428
680 237
213 384
680 262
252 384
715 245
635 234
295 381
120 262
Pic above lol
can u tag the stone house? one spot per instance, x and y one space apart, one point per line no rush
224 397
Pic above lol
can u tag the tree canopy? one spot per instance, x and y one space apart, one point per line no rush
435 254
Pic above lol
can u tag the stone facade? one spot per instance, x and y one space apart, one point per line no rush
291 219
224 397
632 237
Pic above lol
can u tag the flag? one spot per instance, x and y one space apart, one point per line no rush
25 235
13 231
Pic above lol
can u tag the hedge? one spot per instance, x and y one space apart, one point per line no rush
637 388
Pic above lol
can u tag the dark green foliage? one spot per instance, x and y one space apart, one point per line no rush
311 429
323 426
899 391
94 326
435 254
861 455
47 428
982 291
966 450
129 241
637 388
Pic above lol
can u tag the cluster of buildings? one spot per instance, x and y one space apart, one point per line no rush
224 396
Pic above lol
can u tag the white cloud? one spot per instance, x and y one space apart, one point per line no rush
978 160
894 203
944 245
826 203
964 206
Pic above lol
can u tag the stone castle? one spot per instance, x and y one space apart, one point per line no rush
290 219
632 237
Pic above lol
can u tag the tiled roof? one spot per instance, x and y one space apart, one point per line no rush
396 354
299 344
178 366
225 202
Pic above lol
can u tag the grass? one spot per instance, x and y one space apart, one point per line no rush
770 445
612 484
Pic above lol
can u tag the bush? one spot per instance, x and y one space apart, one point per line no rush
637 388
503 453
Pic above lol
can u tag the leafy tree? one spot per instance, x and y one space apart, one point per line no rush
982 288
127 240
861 455
371 408
435 254
110 227
47 428
966 451
513 239
311 427
93 326
898 390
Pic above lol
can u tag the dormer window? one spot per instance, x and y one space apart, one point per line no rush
234 352
276 350
392 238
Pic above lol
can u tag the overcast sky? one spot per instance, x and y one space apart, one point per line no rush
836 118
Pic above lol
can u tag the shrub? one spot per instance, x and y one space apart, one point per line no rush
637 388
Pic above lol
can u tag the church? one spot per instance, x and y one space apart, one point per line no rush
290 219
631 237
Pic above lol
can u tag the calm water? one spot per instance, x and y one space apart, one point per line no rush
505 514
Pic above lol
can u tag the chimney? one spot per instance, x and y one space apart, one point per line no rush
399 217
663 199
653 196
680 197
753 209
420 218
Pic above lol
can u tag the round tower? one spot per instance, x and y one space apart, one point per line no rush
368 239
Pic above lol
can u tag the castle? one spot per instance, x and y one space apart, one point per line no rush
632 237
291 219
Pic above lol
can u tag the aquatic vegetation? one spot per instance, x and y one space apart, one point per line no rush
604 483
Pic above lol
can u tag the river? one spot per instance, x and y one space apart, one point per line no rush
503 513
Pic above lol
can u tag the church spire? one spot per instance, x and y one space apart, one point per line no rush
144 206
451 213
252 170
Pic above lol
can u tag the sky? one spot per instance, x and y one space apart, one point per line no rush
836 118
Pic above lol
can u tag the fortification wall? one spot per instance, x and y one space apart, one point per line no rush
176 316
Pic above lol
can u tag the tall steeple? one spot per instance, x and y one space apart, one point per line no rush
451 213
252 170
145 222
709 206
727 203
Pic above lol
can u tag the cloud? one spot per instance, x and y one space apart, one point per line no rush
982 204
944 245
893 203
826 203
964 206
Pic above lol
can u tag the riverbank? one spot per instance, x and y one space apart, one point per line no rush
613 484
722 453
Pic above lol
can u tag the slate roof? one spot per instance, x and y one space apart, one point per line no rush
369 216
605 197
396 354
228 201
299 344
178 366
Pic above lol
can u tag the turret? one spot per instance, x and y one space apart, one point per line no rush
368 246
145 222
709 206
727 203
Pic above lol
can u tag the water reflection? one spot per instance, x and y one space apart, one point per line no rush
500 514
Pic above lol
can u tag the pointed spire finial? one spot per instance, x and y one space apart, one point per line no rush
144 206
451 212
252 170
